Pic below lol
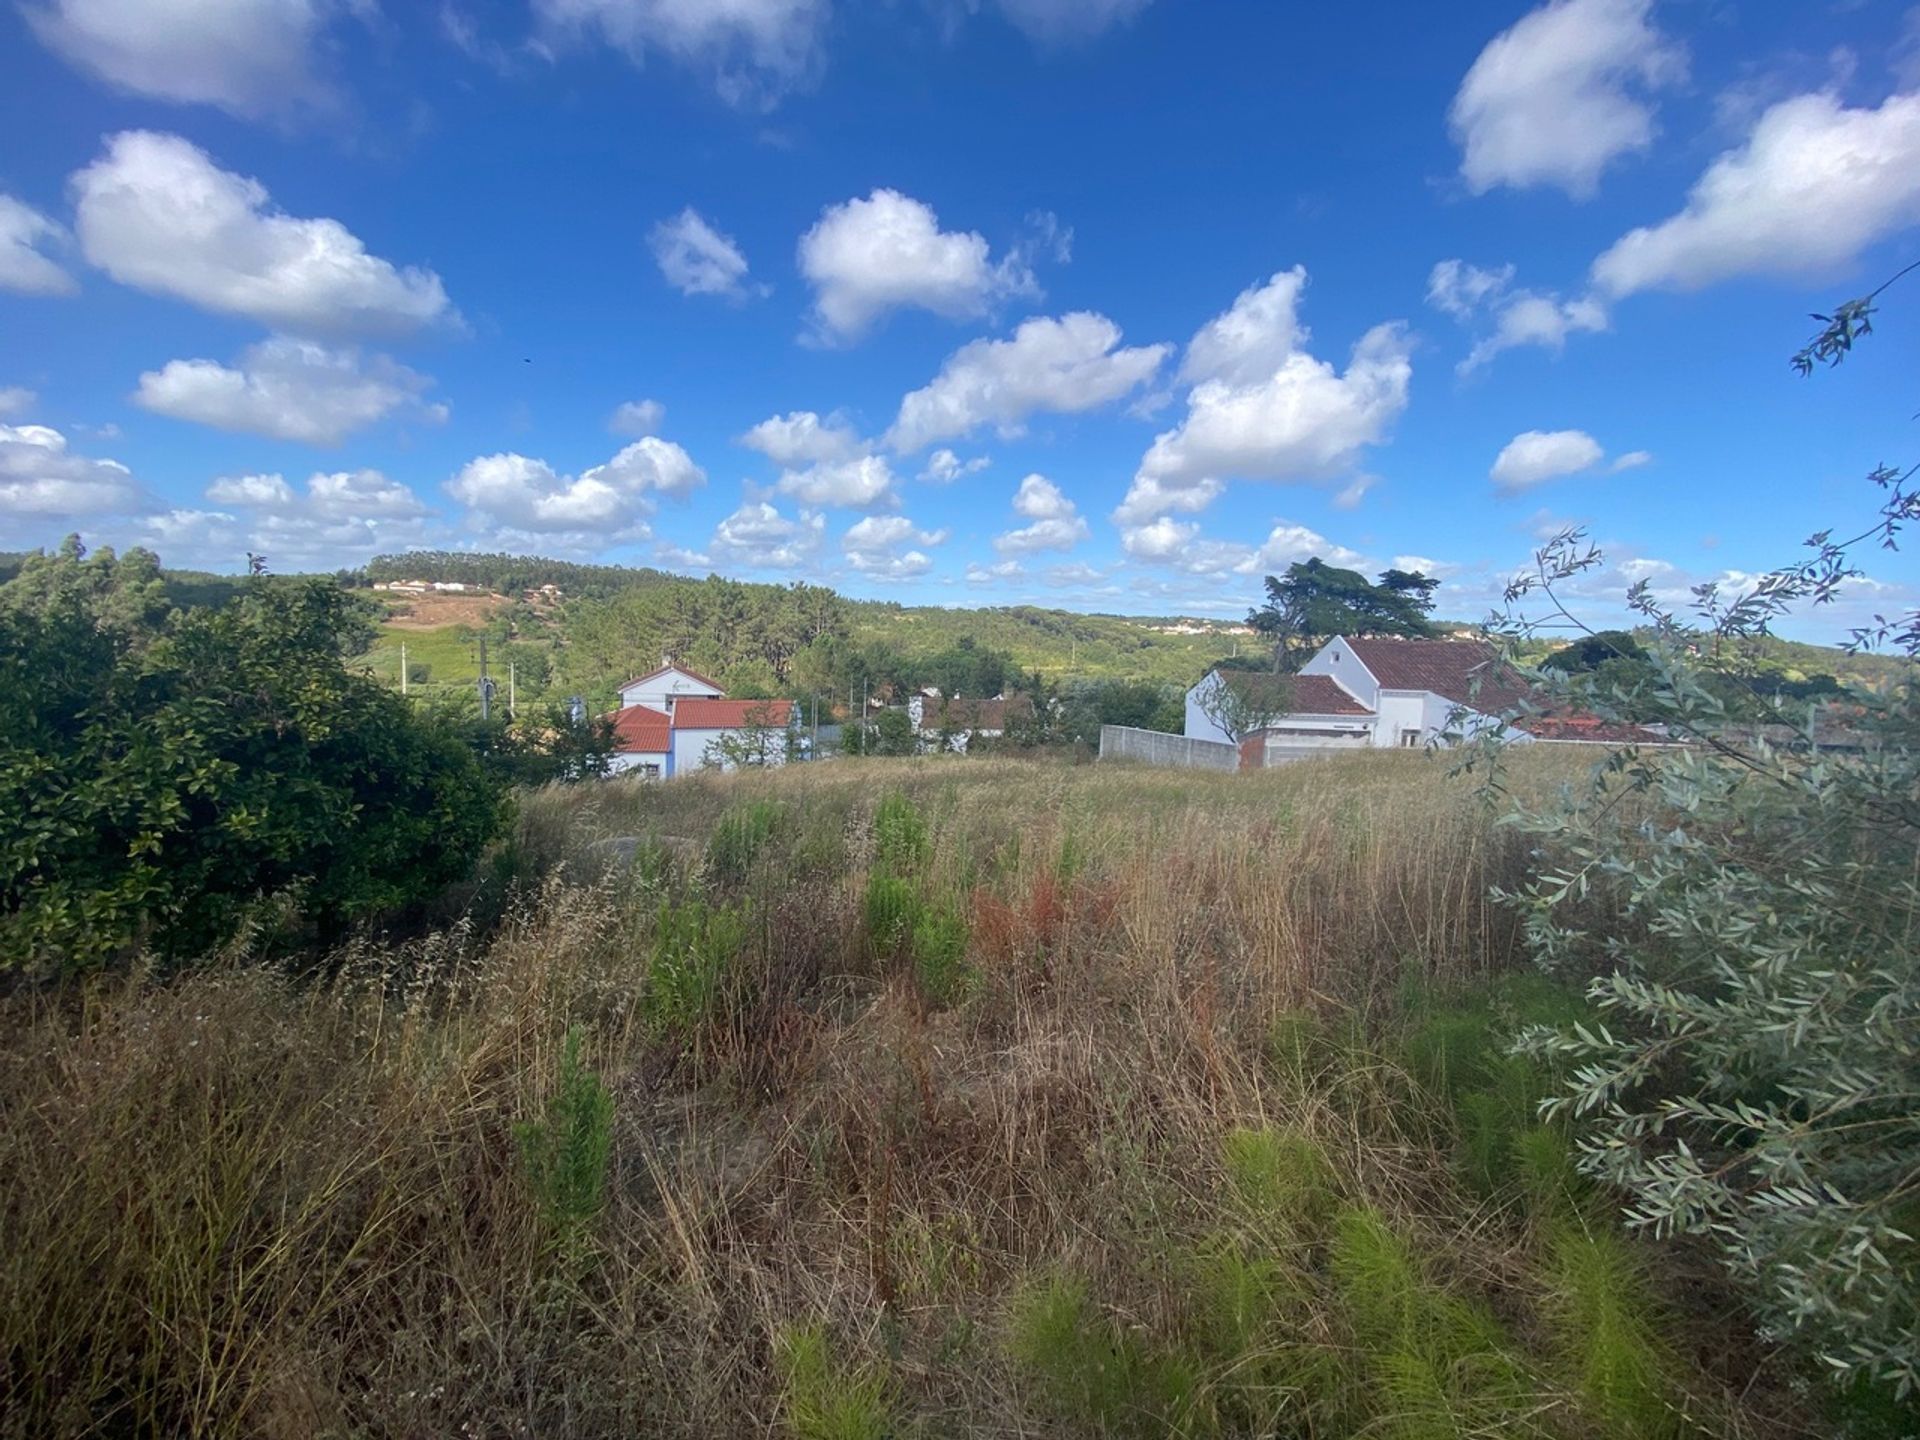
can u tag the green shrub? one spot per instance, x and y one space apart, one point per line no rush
1280 1176
739 837
893 907
1089 1371
939 942
823 1400
1604 1335
567 1149
900 844
157 780
1439 1365
692 968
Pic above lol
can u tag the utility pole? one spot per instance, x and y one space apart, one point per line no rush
403 667
486 686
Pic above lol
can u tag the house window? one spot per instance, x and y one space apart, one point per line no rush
1409 739
649 772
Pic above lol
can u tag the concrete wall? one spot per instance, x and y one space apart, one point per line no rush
1122 742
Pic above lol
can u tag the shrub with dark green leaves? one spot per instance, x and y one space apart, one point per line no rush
157 784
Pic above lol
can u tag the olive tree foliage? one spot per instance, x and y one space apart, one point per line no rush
1240 702
162 782
1742 898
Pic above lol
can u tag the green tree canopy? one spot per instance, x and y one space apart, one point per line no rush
156 782
1315 601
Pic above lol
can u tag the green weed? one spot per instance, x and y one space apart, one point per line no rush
825 1400
567 1149
1088 1370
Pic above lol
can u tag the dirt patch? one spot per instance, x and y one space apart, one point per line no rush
436 609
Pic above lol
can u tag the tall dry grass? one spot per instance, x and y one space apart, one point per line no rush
248 1204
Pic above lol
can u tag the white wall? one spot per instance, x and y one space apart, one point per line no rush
633 760
1198 726
690 749
1336 658
655 691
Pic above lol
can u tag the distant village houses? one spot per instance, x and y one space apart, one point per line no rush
1360 692
953 723
674 721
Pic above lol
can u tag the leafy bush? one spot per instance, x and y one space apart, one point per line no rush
1744 904
940 964
158 783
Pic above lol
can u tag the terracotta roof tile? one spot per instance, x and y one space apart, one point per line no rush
692 713
1323 695
958 714
637 729
1464 671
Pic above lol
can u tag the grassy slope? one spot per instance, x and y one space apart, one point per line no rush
1139 1169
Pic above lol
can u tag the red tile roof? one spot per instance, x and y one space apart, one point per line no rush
1323 695
1464 671
690 674
957 714
640 730
693 713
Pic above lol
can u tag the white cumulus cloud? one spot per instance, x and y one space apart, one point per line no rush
40 477
759 536
1813 186
1055 521
156 213
636 417
1537 456
24 265
886 547
288 390
864 483
1519 317
888 252
697 259
249 57
606 501
1064 365
1563 93
943 467
804 438
1263 408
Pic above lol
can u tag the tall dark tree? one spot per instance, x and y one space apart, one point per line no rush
1315 601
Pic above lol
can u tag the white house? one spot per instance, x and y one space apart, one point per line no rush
670 720
1366 692
938 718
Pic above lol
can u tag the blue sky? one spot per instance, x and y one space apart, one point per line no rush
1108 304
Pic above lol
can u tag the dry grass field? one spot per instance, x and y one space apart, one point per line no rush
918 1098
